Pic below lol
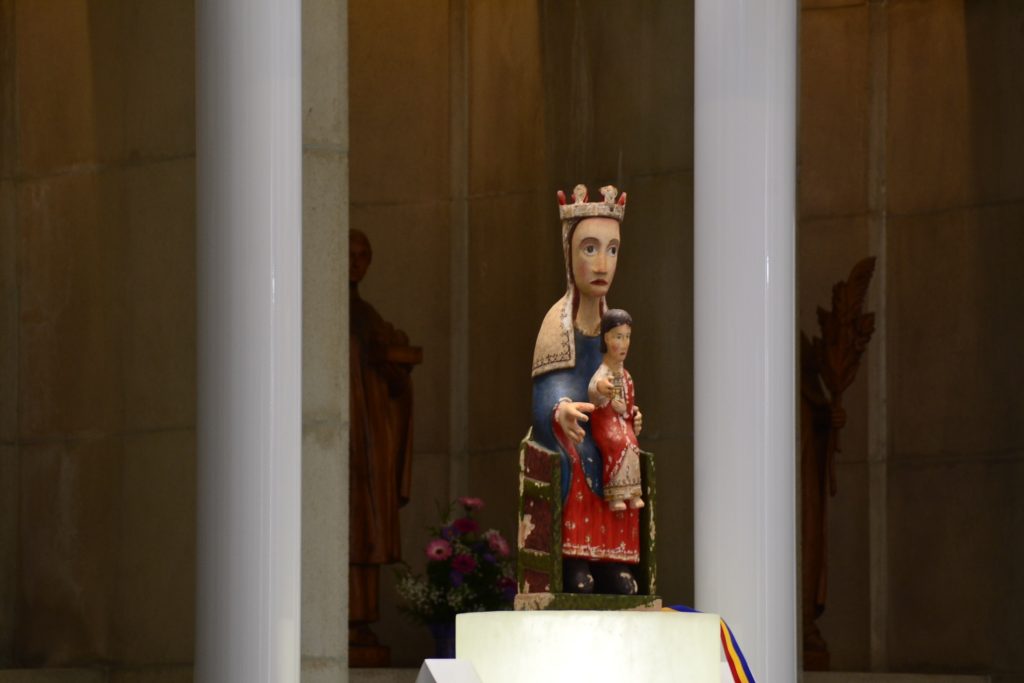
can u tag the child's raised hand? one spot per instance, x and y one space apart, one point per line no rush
605 387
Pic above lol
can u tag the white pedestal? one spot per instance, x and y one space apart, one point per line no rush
527 647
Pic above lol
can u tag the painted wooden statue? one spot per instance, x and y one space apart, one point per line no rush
380 453
612 422
592 546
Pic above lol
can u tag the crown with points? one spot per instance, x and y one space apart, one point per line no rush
581 208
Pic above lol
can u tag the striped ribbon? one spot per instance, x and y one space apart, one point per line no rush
733 654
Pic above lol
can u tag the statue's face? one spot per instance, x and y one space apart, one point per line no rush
359 256
595 252
617 341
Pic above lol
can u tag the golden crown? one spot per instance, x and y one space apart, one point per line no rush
610 207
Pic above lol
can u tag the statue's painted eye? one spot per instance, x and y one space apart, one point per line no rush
590 249
613 250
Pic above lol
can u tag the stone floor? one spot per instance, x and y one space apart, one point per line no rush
409 676
147 674
381 675
52 676
858 677
182 675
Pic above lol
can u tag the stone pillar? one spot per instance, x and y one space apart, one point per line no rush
249 212
325 352
744 325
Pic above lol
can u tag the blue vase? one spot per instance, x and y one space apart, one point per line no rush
444 639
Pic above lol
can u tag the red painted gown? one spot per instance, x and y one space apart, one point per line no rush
614 436
590 529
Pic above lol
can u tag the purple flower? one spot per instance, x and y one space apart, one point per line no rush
447 533
455 578
439 549
463 563
489 558
465 525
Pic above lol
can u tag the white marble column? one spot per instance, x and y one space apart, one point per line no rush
744 326
249 198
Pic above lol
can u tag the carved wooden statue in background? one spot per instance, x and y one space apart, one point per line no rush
828 366
380 463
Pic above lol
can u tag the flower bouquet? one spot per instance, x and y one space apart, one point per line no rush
467 571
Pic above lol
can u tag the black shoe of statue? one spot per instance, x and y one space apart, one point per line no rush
615 578
576 576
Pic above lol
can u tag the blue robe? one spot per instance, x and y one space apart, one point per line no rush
569 383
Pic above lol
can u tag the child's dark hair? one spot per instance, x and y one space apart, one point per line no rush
611 319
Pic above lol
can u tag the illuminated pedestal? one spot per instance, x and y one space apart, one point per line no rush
526 647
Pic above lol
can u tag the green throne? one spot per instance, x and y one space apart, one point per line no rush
539 565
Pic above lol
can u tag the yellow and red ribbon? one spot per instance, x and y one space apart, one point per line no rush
733 654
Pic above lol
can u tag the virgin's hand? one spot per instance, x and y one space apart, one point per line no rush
605 387
569 415
638 420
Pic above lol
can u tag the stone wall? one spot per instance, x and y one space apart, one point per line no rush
912 149
466 118
98 328
399 94
97 338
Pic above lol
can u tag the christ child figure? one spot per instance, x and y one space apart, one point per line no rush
616 420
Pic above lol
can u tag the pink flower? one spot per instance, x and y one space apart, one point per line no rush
463 563
471 503
439 549
465 525
497 543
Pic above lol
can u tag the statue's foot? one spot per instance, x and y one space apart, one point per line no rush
636 503
615 578
576 576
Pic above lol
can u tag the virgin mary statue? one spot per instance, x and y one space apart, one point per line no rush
600 547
